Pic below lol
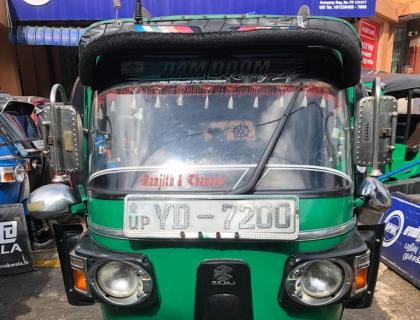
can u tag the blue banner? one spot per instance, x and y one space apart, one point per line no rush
401 246
59 10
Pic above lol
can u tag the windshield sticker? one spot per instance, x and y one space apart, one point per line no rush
198 68
166 29
198 29
163 181
197 180
239 130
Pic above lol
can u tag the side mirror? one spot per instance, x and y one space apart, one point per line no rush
51 201
63 135
375 130
377 196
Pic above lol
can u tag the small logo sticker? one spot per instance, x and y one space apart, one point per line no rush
394 225
222 276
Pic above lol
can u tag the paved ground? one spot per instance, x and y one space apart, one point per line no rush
395 299
40 295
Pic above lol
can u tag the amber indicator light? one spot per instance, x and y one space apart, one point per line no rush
361 278
79 280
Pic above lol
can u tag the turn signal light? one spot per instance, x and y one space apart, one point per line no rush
8 177
79 280
361 270
361 279
7 174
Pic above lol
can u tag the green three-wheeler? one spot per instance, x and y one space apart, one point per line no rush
406 88
218 168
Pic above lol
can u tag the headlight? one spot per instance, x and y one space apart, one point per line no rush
321 279
20 173
319 282
121 282
118 279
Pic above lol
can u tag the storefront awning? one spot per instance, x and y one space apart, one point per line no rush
46 36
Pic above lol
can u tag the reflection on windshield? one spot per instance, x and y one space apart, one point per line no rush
216 125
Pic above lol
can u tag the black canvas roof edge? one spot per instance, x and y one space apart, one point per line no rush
396 84
118 36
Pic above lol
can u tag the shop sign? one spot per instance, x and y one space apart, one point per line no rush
15 249
58 10
369 35
401 245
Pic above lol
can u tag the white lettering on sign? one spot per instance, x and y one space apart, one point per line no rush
369 34
343 5
412 232
8 235
37 2
8 232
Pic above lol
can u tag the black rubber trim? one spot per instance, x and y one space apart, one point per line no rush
373 236
346 251
66 237
93 253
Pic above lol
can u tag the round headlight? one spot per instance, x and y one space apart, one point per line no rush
121 283
118 279
319 282
19 173
321 279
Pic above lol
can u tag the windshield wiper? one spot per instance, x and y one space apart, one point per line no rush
259 169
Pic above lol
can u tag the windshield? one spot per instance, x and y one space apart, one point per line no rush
210 136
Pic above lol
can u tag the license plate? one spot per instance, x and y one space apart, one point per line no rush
211 217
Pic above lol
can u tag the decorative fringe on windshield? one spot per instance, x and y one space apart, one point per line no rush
229 90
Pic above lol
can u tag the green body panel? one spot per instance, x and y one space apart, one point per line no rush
176 263
398 160
176 266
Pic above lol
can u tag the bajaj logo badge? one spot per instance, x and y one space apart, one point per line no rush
222 276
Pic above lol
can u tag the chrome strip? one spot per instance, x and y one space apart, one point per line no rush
225 167
316 234
106 231
328 232
311 168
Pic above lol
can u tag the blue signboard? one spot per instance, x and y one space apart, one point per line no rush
57 10
401 246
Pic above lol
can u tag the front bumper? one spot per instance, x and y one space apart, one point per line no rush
216 302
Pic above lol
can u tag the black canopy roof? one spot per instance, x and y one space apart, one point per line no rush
215 34
396 84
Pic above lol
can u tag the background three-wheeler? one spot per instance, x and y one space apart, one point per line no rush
19 148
